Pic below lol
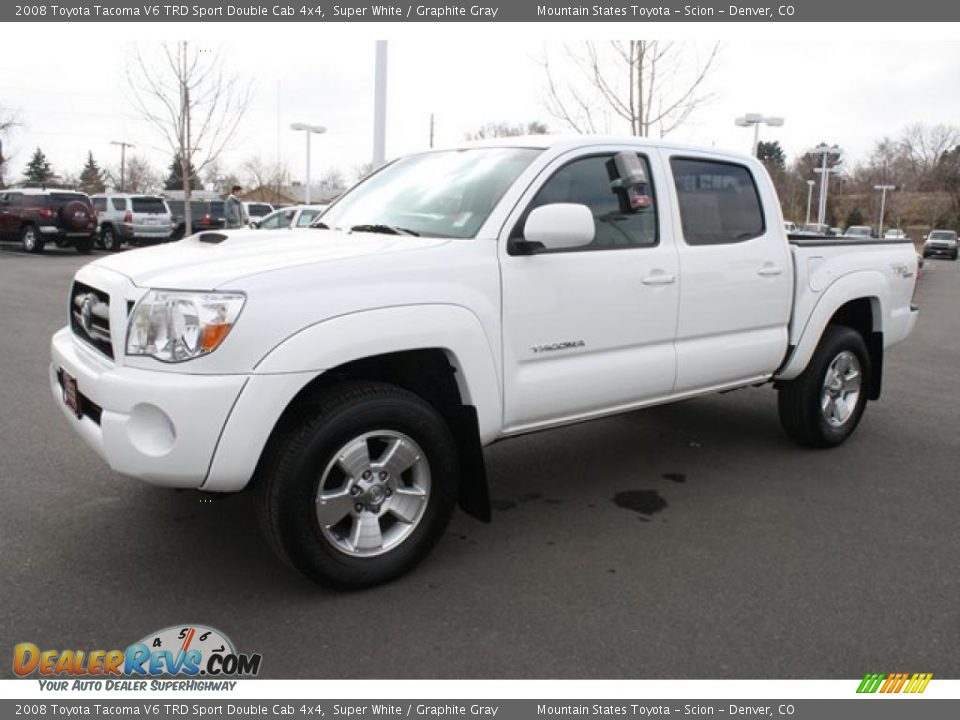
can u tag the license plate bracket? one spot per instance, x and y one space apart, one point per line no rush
71 397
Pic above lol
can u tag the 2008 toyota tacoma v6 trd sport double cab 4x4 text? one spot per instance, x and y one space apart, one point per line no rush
351 374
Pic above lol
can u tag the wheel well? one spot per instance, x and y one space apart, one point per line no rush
862 315
429 374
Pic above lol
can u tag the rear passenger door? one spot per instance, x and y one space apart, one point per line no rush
736 273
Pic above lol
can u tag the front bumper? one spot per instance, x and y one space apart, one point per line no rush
160 427
943 250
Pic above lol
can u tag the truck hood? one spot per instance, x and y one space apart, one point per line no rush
193 264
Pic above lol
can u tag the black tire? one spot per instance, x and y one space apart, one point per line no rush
109 240
799 400
954 256
84 246
31 239
291 472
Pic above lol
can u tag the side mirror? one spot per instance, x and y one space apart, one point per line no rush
255 224
559 226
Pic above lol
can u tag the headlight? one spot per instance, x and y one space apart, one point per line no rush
177 326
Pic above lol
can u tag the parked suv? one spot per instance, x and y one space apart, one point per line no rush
941 242
35 216
134 219
205 215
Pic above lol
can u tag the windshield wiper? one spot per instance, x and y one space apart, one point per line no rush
385 229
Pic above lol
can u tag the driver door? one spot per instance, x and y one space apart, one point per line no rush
589 330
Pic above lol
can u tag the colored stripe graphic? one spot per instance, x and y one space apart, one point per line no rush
894 683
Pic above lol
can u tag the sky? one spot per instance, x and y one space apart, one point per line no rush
846 90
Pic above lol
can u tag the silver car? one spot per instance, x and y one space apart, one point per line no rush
129 218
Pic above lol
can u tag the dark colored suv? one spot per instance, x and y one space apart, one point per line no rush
35 216
204 215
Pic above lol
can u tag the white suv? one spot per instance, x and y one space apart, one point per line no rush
135 219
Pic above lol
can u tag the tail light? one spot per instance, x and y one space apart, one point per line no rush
206 220
128 218
46 212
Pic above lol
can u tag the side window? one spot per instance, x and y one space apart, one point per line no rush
587 181
119 204
271 221
15 199
718 201
100 204
306 217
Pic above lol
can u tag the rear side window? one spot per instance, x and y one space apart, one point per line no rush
60 199
100 204
153 206
719 202
118 204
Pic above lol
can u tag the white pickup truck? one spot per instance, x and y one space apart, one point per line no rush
352 374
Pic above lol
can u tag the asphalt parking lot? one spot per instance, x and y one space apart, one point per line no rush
687 541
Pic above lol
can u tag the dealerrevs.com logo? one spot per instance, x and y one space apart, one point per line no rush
183 651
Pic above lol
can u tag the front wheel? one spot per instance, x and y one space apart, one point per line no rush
823 405
360 490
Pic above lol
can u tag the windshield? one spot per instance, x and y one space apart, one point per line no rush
858 230
439 194
943 235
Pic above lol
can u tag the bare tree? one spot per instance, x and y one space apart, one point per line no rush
923 147
192 101
651 86
265 180
8 121
139 175
504 129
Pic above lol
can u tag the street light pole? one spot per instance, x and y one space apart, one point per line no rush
123 160
756 119
380 105
826 151
309 130
810 184
883 202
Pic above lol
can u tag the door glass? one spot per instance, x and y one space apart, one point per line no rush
718 202
590 181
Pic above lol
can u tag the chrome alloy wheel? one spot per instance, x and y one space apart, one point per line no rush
373 493
841 389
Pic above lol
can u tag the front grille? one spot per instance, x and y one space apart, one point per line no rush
90 317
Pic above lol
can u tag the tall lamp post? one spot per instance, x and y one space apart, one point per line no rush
123 160
309 130
826 151
756 120
883 202
810 184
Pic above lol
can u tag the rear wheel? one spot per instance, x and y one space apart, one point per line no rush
361 489
31 240
822 407
109 239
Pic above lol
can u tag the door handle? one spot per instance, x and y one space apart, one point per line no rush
770 270
659 278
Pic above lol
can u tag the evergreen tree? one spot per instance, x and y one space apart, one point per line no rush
854 217
38 169
174 179
771 154
91 177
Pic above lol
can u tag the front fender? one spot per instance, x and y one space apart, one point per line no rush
868 284
452 328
